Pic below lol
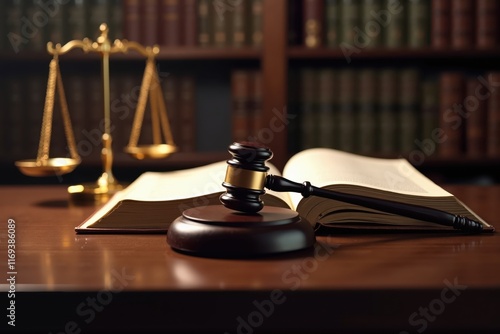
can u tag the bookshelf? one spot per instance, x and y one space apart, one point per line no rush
277 59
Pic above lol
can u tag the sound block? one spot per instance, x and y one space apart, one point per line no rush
215 231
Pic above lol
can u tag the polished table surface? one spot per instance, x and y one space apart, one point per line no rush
378 282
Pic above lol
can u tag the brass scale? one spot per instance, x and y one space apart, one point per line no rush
106 185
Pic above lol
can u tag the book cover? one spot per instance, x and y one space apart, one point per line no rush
150 21
313 23
327 113
487 26
367 132
371 31
309 108
189 20
349 20
204 23
132 20
395 30
98 13
441 23
256 23
493 129
76 20
409 108
451 88
170 22
418 23
462 24
348 110
241 118
475 145
388 114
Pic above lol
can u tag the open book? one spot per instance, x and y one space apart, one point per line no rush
155 199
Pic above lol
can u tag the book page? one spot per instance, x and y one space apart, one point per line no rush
323 167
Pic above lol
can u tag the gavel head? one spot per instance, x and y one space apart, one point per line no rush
246 177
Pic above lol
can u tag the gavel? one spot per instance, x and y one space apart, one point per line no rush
244 227
247 177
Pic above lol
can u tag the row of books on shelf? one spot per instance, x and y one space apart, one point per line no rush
30 24
23 108
393 112
357 24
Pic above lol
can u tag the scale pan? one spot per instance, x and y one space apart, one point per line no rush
50 167
151 151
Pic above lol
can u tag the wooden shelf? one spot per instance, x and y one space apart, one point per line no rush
178 53
300 52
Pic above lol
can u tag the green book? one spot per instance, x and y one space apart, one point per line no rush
388 111
347 110
349 20
371 29
76 20
327 99
429 108
395 28
418 23
309 110
367 133
409 107
204 22
115 20
332 24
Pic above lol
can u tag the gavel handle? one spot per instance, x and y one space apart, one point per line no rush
280 184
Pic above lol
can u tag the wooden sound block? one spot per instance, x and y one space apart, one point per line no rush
215 231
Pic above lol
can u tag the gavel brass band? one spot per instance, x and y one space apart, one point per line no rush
244 178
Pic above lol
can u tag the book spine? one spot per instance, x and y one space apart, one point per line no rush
241 115
256 23
256 104
372 31
308 109
187 111
430 114
462 23
487 27
395 31
441 23
97 14
294 16
451 88
149 22
332 24
493 130
77 104
367 132
294 110
116 20
13 24
409 106
418 23
239 25
475 145
349 20
326 108
313 23
171 95
221 22
132 20
38 39
189 20
388 111
16 136
347 110
204 23
76 20
169 22
3 30
35 89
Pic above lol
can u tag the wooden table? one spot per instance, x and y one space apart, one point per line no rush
387 283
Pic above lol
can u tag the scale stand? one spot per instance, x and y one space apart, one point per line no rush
106 185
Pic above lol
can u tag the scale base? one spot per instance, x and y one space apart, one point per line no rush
92 192
215 231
